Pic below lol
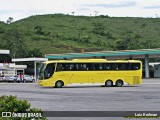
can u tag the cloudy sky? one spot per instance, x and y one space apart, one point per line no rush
19 9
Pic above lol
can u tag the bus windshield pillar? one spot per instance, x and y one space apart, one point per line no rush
147 66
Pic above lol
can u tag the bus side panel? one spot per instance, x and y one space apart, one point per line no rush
134 77
114 76
130 77
63 76
96 77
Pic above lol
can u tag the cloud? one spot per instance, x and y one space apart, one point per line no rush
83 9
19 9
152 7
113 5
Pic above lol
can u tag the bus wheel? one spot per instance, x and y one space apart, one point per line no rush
109 83
59 84
119 83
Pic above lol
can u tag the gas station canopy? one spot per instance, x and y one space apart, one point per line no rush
4 52
123 54
29 59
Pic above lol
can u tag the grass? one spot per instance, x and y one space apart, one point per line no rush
65 33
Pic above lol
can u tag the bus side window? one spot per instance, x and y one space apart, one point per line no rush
100 66
90 66
129 66
122 66
107 66
96 66
115 66
135 66
76 67
84 66
79 66
67 67
71 67
59 67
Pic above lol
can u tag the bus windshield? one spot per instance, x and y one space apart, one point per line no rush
46 71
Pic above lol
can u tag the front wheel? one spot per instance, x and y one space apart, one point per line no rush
59 84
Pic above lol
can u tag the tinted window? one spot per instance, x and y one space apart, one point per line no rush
97 66
135 66
106 66
74 66
49 70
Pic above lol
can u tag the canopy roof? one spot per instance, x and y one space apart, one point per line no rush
4 52
29 59
109 54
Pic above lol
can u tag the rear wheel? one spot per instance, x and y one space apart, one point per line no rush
119 83
59 84
109 83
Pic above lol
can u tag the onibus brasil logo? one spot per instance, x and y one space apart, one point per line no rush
22 115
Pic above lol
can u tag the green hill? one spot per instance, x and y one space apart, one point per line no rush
58 33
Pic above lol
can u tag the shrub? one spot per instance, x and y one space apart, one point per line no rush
39 37
2 30
12 104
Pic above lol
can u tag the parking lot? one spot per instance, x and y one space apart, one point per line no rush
144 97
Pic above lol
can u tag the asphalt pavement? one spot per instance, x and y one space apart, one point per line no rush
143 97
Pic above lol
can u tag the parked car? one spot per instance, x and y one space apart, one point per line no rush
6 78
12 78
9 78
19 79
2 79
26 78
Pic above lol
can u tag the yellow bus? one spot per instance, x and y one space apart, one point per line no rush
61 73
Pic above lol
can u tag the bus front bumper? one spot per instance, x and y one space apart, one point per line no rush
43 83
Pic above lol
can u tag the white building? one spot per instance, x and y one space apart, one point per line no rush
11 69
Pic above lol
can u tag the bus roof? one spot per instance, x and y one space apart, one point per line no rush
89 61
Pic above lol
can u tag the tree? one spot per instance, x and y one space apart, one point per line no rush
14 41
39 30
73 13
10 20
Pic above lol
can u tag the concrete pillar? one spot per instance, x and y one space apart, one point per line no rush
35 72
147 66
